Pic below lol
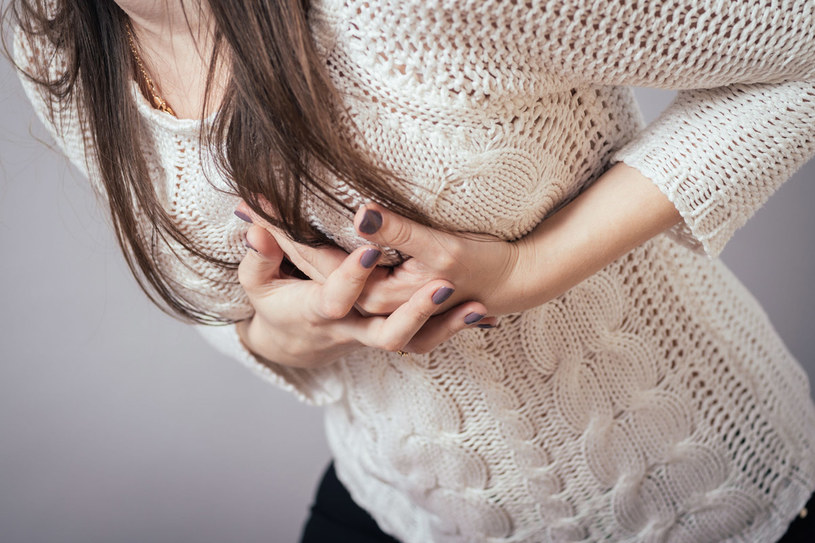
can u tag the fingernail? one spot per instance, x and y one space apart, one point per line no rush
441 295
369 258
473 318
371 222
243 216
486 326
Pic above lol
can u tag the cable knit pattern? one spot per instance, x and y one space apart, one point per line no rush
653 401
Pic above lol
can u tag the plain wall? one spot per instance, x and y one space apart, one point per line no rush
118 424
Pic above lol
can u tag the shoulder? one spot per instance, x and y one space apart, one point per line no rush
43 69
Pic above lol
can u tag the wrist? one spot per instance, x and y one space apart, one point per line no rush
619 212
272 347
532 276
248 335
242 329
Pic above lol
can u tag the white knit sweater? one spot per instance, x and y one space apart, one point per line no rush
652 402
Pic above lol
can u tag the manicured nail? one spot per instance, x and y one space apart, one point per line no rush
473 318
243 216
441 295
486 326
369 258
371 222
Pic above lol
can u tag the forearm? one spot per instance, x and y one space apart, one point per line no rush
619 212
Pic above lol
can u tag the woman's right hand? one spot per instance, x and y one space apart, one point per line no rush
304 323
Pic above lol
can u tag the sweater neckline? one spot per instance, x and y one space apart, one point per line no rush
163 119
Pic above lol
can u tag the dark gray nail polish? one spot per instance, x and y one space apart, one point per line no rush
441 295
371 222
473 318
486 326
369 258
243 216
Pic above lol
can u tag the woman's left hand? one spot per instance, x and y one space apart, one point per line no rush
481 266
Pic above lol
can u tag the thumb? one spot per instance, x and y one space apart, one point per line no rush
261 265
315 263
383 227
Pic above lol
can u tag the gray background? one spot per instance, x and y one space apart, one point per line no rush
118 424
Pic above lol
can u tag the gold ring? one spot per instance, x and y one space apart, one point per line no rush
402 353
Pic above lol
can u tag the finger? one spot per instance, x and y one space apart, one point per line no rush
395 331
442 327
342 287
316 262
487 323
247 214
261 241
388 288
264 243
381 226
262 261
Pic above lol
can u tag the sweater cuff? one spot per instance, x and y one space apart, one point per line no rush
318 386
718 154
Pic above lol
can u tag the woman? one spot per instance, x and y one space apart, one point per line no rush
633 390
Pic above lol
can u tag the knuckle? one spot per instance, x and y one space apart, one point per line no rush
312 320
354 280
400 234
424 312
392 345
332 310
449 257
374 306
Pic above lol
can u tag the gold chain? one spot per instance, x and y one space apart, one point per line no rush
155 99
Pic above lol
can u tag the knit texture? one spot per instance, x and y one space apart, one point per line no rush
653 401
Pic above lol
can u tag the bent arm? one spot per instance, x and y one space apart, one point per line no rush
620 211
719 154
744 118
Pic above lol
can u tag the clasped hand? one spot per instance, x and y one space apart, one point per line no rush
449 283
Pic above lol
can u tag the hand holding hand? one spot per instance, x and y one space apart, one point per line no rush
305 323
619 211
481 266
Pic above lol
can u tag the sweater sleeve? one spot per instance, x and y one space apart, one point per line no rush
744 118
317 386
37 57
718 154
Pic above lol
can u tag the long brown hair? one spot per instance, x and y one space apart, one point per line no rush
275 134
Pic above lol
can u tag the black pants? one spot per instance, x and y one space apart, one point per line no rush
335 518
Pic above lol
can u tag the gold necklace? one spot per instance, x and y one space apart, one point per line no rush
147 84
